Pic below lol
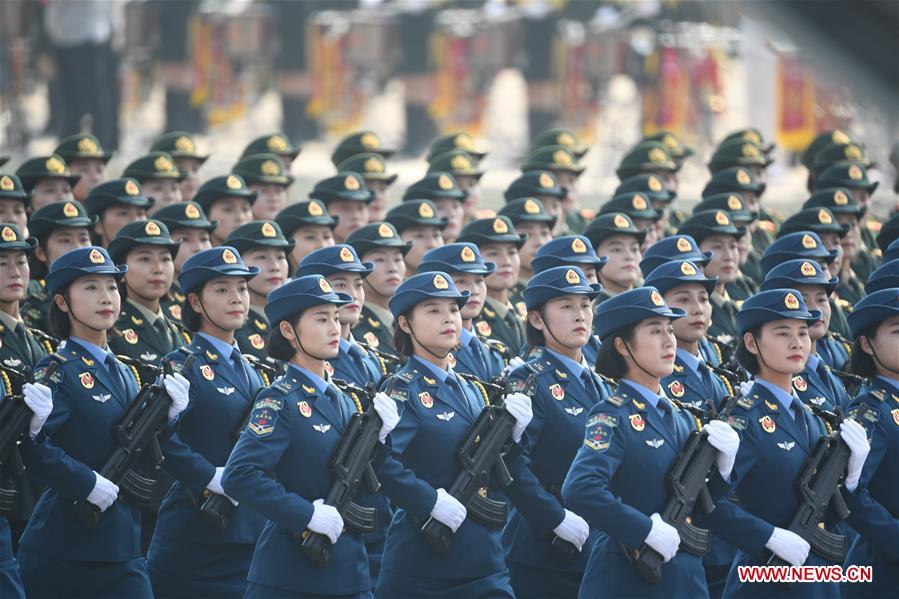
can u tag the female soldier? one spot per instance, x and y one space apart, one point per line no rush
60 555
417 223
614 235
875 504
341 266
475 355
228 202
683 285
158 176
309 225
13 202
777 432
816 385
262 245
115 204
560 315
617 481
148 251
439 408
188 557
279 467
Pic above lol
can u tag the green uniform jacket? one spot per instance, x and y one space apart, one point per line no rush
373 331
508 329
140 340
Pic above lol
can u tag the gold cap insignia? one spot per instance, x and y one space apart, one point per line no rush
374 165
840 198
824 217
162 164
151 228
687 269
185 144
563 158
656 298
88 146
370 140
750 151
500 226
808 269
621 221
315 208
191 211
385 230
96 257
460 163
855 173
351 183
276 143
638 202
69 210
657 155
228 257
444 182
463 141
440 282
131 188
346 254
55 165
578 246
683 245
853 152
791 302
8 234
425 210
839 137
571 277
546 181
743 177
808 242
232 182
6 184
268 230
654 184
467 254
721 218
325 285
734 203
270 168
531 207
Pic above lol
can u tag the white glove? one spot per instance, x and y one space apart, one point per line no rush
573 529
519 405
39 400
745 386
390 417
104 493
514 363
788 546
447 510
326 520
178 389
663 538
215 484
726 440
856 438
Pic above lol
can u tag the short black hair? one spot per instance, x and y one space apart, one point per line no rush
190 318
609 362
279 347
58 321
533 336
747 359
862 363
402 340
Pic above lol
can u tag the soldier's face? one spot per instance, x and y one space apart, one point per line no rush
885 343
693 299
116 217
816 299
652 348
553 207
150 272
164 191
230 213
435 323
319 329
454 212
652 232
744 246
477 285
48 191
388 272
353 215
851 241
14 274
423 239
191 183
568 318
831 241
471 203
783 345
273 271
377 209
271 199
568 180
226 302
61 241
538 235
13 211
725 257
622 271
310 238
751 202
92 171
508 265
862 196
352 285
192 241
94 303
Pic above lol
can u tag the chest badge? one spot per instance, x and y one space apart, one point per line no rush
483 328
895 414
130 336
676 388
655 443
426 400
87 380
637 422
557 391
446 416
225 390
206 371
322 428
800 383
767 424
102 398
304 408
574 411
256 341
786 445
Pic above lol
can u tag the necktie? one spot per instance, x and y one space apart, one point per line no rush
334 397
590 385
19 334
797 409
457 388
706 376
237 365
114 373
667 415
477 351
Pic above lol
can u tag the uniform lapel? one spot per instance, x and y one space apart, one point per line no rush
573 385
651 416
100 379
779 414
220 365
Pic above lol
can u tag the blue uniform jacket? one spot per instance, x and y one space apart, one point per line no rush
279 466
821 388
356 365
875 504
560 404
617 481
686 386
433 421
478 359
76 440
834 352
219 401
711 351
772 453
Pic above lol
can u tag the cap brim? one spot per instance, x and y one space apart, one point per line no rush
22 245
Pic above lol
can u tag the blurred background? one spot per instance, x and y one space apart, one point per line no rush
613 71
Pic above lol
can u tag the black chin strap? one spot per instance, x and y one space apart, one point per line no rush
303 349
75 318
425 347
209 318
627 347
877 359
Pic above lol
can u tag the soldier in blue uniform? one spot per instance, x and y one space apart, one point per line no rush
438 408
59 555
476 355
777 432
188 557
560 317
884 277
279 467
816 385
875 504
617 481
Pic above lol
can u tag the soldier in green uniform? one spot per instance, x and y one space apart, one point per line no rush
13 202
499 243
455 141
679 152
189 227
560 136
417 223
262 244
750 262
464 167
85 158
739 179
660 198
825 138
116 203
47 179
182 147
449 199
715 232
889 232
380 244
58 228
274 143
562 163
543 186
265 176
310 227
145 333
373 169
649 158
615 236
360 142
836 153
530 218
347 198
737 152
159 178
854 177
638 207
228 201
752 135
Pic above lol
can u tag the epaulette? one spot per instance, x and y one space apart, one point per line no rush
488 312
616 400
748 401
768 226
283 385
873 225
878 394
406 376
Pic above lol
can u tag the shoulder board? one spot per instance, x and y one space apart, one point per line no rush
616 400
878 394
188 350
407 376
488 312
748 402
282 385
